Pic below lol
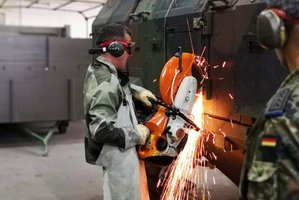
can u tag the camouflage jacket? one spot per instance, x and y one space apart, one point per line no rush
272 146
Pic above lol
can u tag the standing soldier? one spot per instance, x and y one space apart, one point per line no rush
272 147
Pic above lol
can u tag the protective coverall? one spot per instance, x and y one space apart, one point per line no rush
272 153
112 136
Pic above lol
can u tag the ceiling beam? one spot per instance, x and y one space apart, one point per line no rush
96 2
3 2
32 3
64 4
94 7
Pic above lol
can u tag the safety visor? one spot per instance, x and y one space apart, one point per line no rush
129 46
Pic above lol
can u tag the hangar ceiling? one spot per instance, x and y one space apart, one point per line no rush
82 7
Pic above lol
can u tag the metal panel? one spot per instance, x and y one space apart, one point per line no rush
114 11
40 99
69 59
20 49
68 54
105 14
4 100
41 77
26 30
256 68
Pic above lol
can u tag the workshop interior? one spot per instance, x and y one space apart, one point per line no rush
201 59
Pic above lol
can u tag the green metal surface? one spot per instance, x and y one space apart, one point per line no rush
239 71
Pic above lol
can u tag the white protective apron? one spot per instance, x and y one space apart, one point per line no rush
121 168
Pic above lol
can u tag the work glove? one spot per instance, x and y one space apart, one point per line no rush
145 96
143 133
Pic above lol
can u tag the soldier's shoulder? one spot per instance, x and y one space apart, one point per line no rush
284 102
292 105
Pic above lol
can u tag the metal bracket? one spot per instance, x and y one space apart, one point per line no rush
222 4
44 139
143 15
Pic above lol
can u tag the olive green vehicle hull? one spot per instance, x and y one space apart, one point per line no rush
242 76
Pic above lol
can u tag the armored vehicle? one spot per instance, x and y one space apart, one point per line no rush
241 75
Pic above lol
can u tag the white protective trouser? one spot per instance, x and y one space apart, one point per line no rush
121 169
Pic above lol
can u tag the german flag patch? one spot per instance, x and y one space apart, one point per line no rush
269 147
269 141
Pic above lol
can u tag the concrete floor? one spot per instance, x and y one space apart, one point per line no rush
64 174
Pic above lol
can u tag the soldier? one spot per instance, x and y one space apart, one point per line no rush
271 164
112 127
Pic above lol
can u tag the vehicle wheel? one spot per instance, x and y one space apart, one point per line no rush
62 126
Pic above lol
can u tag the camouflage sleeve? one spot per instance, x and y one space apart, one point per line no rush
286 126
274 151
287 130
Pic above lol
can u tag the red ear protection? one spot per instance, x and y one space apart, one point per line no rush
284 16
117 47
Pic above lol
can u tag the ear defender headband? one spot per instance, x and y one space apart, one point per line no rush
271 31
117 47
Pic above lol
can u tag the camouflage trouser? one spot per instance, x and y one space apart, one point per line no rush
262 181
